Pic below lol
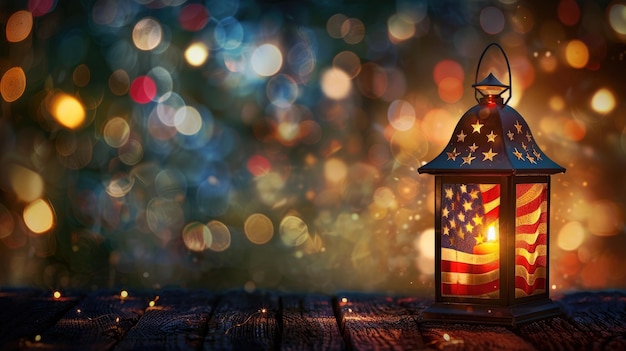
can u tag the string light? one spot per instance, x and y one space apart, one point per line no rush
261 311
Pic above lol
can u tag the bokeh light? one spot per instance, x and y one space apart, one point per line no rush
67 110
19 26
147 34
39 216
266 60
603 101
13 84
239 145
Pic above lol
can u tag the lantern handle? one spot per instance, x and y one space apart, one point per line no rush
508 66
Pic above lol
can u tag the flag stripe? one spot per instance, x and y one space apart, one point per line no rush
490 289
531 239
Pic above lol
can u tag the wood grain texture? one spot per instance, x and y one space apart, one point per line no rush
182 319
244 321
309 323
363 326
97 322
177 321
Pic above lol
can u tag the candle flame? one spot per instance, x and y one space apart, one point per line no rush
491 234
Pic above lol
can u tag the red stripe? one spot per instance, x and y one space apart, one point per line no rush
539 262
470 290
521 283
530 206
532 227
458 267
542 239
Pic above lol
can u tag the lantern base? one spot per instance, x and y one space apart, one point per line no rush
491 314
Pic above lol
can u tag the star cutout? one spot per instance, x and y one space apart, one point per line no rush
461 137
537 155
473 147
449 193
529 137
463 188
445 212
530 158
477 127
510 135
518 155
489 155
452 155
524 146
468 159
518 126
491 137
446 230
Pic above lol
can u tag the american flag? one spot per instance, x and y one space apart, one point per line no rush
531 239
467 211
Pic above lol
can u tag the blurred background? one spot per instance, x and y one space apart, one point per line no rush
274 144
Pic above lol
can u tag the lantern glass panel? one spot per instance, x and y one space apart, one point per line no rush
531 239
470 244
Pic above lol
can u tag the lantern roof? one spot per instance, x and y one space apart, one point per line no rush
495 139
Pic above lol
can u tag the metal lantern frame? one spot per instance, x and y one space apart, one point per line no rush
459 163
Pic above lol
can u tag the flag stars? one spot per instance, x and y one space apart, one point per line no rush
468 159
461 217
518 155
529 137
463 188
530 158
449 193
478 220
518 126
446 230
491 137
461 137
469 227
473 147
537 154
467 205
489 155
511 135
476 126
452 155
445 212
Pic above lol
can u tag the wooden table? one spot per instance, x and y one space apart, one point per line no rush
176 319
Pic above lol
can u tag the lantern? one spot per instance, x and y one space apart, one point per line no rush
492 210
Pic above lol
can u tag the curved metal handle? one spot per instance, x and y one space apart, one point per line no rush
508 66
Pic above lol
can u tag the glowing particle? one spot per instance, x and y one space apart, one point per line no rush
123 294
143 89
56 294
37 338
27 184
39 216
221 236
147 34
336 84
571 236
400 27
151 303
193 17
344 299
258 228
13 84
617 17
266 60
603 101
19 26
577 54
196 54
116 132
197 236
293 231
67 110
401 115
446 337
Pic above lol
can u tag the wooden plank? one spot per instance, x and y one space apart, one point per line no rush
591 321
244 321
177 321
374 322
97 322
27 312
462 336
309 323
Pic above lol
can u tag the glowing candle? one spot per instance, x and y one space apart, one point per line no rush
489 246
